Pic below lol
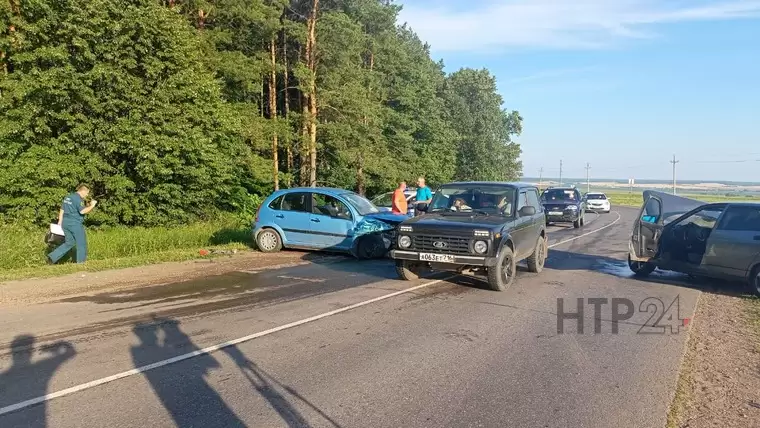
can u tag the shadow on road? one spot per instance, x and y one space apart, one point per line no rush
564 260
266 385
185 392
28 378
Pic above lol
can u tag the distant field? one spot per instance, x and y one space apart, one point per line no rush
635 199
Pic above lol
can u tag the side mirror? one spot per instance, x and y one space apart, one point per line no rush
527 211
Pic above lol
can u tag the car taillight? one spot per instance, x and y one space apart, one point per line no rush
256 220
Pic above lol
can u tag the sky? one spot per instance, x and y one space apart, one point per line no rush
623 85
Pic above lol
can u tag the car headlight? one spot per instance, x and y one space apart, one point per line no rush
404 241
480 247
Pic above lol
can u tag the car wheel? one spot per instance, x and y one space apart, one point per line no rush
577 223
408 271
370 247
501 276
640 268
538 258
754 281
269 241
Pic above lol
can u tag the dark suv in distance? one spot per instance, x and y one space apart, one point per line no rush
564 205
482 228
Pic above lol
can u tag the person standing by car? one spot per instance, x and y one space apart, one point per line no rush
71 219
399 206
424 196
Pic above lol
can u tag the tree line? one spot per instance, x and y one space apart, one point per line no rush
175 110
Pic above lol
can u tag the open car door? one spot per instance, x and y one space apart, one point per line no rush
657 211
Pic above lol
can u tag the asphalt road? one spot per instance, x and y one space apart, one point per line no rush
324 345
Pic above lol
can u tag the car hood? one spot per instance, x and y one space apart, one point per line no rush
559 204
458 221
388 217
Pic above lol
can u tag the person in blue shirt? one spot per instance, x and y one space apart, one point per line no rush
424 195
71 219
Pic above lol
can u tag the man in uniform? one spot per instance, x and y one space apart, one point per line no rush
70 218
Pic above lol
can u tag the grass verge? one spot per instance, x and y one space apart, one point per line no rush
685 383
635 199
753 315
24 250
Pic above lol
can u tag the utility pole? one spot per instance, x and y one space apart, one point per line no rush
588 182
560 172
674 162
540 177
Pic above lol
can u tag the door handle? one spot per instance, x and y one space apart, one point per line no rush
280 216
315 220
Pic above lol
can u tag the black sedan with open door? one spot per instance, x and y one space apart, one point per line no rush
719 240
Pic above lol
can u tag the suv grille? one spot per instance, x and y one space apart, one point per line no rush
454 245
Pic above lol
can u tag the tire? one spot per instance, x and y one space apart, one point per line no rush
269 241
640 269
370 247
577 223
502 276
754 281
407 271
538 258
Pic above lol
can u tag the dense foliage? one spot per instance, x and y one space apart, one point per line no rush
174 110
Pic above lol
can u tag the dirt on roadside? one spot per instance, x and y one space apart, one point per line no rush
720 384
41 290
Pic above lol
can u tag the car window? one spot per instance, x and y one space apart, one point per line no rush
276 204
296 201
490 199
703 218
385 200
553 195
522 201
741 219
360 203
596 196
329 206
533 200
652 211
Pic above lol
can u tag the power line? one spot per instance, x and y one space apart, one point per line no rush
540 176
588 182
674 162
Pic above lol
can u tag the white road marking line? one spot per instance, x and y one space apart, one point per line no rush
214 348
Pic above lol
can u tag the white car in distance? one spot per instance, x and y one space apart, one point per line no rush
597 202
385 201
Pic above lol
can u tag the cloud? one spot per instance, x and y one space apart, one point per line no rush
489 25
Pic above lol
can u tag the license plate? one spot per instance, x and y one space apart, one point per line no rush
441 258
555 213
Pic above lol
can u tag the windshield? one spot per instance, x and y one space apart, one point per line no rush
551 195
486 199
596 196
384 200
361 204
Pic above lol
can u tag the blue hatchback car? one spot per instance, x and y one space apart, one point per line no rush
323 218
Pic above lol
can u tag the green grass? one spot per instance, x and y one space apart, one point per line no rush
24 251
634 199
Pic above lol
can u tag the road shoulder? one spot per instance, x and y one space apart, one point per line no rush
719 383
41 290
